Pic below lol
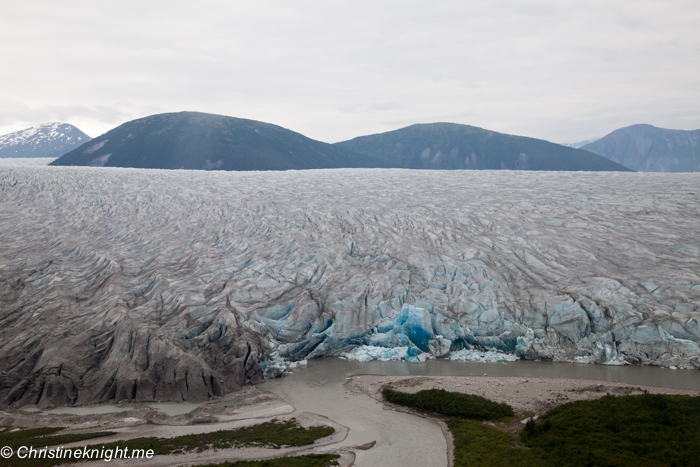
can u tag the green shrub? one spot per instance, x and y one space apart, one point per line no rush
272 434
452 404
644 430
479 445
15 439
629 431
39 438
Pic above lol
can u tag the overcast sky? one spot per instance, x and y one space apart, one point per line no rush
559 70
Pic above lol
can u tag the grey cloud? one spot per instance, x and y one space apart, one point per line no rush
560 70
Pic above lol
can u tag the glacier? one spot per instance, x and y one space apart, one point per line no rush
25 161
134 284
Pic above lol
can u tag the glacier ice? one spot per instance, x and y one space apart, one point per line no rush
482 356
149 284
25 161
367 353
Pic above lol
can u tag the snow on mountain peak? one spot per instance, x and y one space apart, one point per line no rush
46 140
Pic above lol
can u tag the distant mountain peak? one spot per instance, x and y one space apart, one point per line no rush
647 148
45 140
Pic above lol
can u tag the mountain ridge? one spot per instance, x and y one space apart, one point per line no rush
195 140
456 146
201 141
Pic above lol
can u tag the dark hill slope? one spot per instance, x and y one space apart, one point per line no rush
650 149
193 140
454 146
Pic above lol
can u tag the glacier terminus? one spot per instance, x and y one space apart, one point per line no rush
135 284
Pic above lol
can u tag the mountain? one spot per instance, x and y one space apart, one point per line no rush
193 140
580 144
45 140
454 146
650 149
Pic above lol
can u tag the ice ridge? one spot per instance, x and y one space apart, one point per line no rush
130 284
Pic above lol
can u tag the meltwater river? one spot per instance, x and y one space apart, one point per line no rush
402 439
406 440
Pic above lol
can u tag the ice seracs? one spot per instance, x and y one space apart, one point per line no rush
367 353
170 285
482 356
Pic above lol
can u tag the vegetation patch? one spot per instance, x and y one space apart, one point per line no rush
272 434
312 460
479 445
40 437
648 429
452 404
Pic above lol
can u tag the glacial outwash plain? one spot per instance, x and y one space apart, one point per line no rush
153 285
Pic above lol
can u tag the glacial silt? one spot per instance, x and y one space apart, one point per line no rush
131 284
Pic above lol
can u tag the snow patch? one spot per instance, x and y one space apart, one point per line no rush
209 165
95 147
99 161
45 140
